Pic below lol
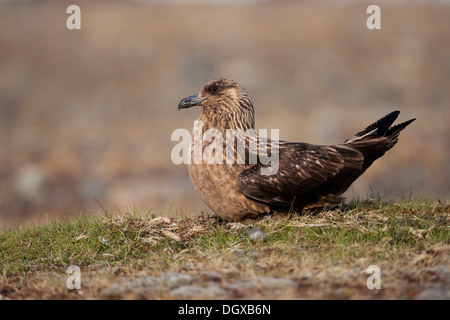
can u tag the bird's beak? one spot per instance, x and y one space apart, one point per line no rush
191 101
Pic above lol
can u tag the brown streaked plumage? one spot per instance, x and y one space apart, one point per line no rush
308 175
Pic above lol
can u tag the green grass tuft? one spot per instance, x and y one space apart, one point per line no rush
402 236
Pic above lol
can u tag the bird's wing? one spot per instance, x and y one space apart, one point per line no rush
304 170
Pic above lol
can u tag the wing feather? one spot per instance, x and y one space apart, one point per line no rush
305 170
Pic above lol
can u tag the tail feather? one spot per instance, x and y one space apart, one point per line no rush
381 128
377 138
382 125
395 130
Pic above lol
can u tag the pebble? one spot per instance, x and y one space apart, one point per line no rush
210 285
256 234
211 291
175 279
434 294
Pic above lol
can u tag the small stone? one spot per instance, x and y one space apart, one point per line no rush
115 291
146 282
174 279
434 294
256 234
186 292
198 292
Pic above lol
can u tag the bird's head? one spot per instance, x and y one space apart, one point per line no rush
223 100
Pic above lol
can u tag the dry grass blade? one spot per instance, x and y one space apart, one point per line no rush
171 235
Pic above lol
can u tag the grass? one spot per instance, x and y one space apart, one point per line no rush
325 253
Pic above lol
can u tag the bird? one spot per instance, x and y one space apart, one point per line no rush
308 176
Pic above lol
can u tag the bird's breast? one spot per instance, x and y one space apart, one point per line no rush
214 168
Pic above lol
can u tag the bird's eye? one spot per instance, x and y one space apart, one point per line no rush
214 88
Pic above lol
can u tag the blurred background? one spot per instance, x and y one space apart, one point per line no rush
86 115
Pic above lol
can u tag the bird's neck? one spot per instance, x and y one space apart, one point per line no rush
227 120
